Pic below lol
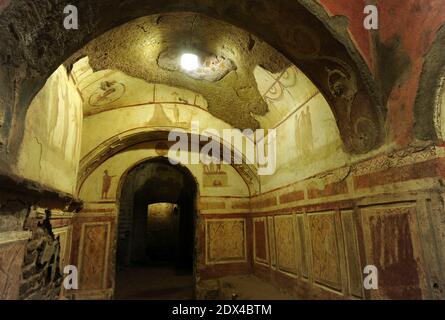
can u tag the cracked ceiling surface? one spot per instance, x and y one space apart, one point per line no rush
134 49
35 43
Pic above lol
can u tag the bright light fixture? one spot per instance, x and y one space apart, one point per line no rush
189 61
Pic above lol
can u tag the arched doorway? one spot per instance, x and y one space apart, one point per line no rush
156 232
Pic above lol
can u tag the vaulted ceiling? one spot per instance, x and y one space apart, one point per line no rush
259 89
135 49
35 43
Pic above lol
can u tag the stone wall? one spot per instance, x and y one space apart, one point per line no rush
41 274
31 256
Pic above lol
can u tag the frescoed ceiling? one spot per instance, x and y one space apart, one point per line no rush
142 49
249 92
139 38
284 93
106 90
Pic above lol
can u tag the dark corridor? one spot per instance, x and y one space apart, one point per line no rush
155 250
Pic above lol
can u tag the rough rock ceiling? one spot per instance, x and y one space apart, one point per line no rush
104 90
35 43
134 49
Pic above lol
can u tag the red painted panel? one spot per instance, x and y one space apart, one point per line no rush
353 10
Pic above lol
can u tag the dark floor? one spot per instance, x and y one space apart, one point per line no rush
153 283
163 283
249 287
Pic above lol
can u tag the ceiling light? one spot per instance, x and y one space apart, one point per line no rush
189 61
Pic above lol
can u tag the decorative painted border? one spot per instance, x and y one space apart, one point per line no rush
335 287
266 239
107 248
14 236
438 108
209 262
290 273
